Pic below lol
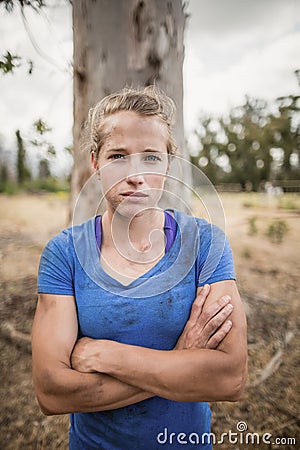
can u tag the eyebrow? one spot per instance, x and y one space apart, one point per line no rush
124 150
116 149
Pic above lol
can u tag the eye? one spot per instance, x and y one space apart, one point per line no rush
116 156
152 158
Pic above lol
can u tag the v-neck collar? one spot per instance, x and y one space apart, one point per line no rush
137 281
176 262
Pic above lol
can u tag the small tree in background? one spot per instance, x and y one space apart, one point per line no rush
3 176
23 172
44 169
45 149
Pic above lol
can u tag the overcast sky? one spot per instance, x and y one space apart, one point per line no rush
233 48
239 47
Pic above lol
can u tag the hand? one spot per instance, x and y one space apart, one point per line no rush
84 355
206 328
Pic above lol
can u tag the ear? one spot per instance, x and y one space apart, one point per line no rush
94 161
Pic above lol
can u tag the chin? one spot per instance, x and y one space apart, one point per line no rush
133 209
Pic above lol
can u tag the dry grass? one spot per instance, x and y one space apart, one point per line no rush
268 279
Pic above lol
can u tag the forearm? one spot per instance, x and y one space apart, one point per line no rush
180 375
65 390
189 374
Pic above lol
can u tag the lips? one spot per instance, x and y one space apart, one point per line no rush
134 194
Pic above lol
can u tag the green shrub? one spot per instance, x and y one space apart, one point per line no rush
49 184
277 230
252 227
246 253
9 188
289 202
248 204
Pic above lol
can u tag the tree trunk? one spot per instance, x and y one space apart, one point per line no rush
119 42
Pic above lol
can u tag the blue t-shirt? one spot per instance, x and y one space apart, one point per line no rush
150 312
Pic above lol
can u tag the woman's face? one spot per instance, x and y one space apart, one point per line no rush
133 162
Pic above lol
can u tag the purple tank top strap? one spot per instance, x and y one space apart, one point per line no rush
98 231
169 229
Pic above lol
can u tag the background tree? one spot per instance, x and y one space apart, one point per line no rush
4 170
118 43
34 4
44 169
23 172
285 128
8 61
256 142
45 149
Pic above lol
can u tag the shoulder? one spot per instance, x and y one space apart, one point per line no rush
207 237
187 218
204 228
59 262
64 241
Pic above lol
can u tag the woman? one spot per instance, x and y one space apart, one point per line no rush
128 336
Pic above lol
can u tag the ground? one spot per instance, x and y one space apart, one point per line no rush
264 233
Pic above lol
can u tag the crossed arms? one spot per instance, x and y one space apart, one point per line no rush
208 363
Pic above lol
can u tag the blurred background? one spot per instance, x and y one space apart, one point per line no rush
237 88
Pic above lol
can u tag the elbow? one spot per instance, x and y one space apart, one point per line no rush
47 412
45 404
236 390
45 408
49 405
236 384
45 392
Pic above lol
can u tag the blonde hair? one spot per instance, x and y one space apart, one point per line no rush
147 101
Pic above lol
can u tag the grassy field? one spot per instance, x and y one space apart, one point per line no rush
265 235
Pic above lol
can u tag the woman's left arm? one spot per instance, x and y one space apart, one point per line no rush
183 375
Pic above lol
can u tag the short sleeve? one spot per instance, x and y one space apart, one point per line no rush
55 270
215 259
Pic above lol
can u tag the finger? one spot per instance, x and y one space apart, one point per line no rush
201 297
198 303
213 309
218 337
217 321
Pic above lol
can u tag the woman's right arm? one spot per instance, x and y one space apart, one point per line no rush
59 388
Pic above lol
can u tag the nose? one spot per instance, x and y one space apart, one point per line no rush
135 175
135 178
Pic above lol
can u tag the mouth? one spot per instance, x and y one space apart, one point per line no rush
134 194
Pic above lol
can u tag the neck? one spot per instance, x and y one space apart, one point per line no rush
136 236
